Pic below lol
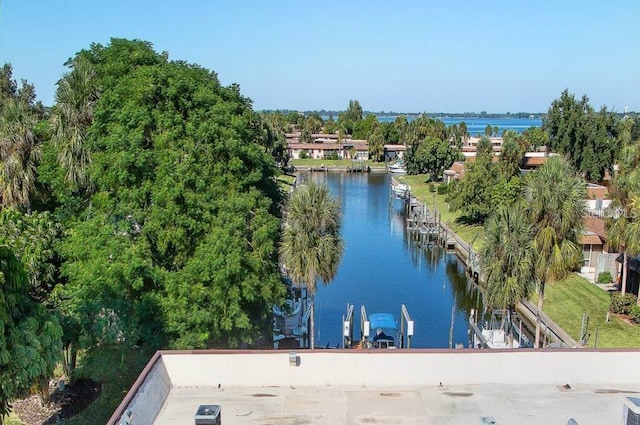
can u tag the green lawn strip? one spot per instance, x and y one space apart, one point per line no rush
420 189
116 368
285 181
565 301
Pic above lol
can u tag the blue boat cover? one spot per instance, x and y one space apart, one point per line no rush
382 321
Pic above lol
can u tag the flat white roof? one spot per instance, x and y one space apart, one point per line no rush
430 387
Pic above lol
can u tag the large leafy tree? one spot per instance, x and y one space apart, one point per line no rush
311 246
554 201
350 117
588 139
472 196
178 244
29 335
507 259
432 156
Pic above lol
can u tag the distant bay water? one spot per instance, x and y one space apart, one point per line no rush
476 126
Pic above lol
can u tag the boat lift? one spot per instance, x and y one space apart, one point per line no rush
378 320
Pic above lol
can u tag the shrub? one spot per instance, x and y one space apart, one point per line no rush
634 313
333 156
442 189
621 304
303 155
605 277
432 187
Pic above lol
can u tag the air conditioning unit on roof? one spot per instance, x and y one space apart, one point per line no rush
631 411
208 414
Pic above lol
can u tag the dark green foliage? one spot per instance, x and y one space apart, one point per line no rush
303 154
29 336
333 156
178 245
442 189
431 156
363 129
473 195
33 237
506 192
605 277
621 304
634 314
588 138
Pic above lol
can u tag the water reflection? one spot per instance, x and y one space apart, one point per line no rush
382 268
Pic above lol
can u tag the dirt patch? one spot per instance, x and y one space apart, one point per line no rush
64 404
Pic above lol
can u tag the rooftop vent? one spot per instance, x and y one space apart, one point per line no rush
208 414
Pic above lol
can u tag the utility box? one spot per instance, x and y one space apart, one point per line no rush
208 414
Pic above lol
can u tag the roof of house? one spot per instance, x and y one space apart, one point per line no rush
317 146
533 161
591 239
458 167
596 225
595 191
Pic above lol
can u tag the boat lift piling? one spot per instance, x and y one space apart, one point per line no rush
347 327
405 318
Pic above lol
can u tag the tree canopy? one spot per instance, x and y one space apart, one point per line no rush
177 245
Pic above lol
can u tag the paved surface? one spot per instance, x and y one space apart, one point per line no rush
460 405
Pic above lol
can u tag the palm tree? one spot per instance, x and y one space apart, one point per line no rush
20 153
554 201
507 259
624 227
312 247
76 96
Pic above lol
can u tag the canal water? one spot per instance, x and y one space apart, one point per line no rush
382 269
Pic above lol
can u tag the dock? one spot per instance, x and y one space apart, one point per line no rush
426 229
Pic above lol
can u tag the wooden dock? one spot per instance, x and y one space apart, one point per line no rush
426 224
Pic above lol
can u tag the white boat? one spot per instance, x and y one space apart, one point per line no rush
497 333
397 168
400 189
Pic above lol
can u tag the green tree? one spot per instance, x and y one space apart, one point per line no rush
33 238
330 126
312 247
20 152
72 116
363 129
305 136
623 222
588 139
376 144
464 132
535 137
178 244
506 259
29 335
488 130
351 116
554 199
432 156
510 156
473 195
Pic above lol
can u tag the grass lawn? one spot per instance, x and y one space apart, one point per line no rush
285 181
420 189
116 368
565 302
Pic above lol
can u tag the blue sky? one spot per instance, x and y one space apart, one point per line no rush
449 56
